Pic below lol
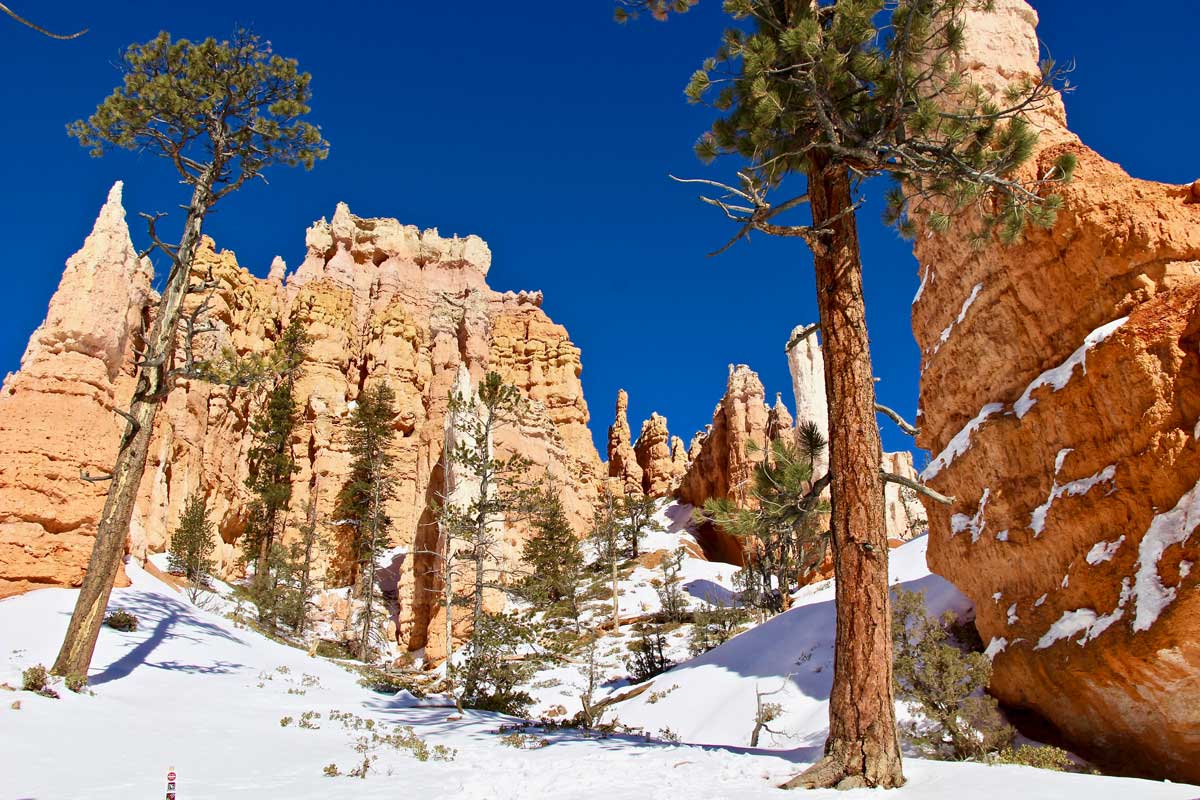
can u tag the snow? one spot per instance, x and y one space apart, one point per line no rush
1037 520
1012 614
1002 536
996 597
924 281
1166 529
1040 600
995 647
1085 621
961 441
1104 551
975 524
1058 377
194 692
962 314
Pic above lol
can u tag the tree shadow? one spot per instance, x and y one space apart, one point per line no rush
170 617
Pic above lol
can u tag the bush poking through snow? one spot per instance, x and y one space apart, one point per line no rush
648 654
492 672
670 589
945 685
332 771
37 680
714 625
1041 757
76 682
121 620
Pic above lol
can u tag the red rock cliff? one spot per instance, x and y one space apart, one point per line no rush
1060 396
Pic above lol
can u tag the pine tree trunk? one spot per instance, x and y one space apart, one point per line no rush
75 656
862 748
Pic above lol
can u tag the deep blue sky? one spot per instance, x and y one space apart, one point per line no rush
550 134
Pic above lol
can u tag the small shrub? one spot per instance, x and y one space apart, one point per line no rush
649 655
669 587
713 626
491 674
285 721
524 741
76 682
328 648
1044 757
308 720
945 684
668 735
656 696
35 679
332 771
121 620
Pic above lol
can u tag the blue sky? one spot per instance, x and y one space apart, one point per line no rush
551 135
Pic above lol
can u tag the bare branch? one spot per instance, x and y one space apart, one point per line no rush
917 487
39 28
911 430
801 336
85 476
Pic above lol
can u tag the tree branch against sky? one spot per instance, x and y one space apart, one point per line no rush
63 36
834 93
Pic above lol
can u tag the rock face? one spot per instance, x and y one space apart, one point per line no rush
661 458
1060 397
623 465
382 302
807 367
56 417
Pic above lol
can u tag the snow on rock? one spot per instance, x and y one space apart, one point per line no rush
962 314
1012 614
1104 551
1057 377
961 441
924 282
1166 529
995 647
1085 621
1037 520
975 524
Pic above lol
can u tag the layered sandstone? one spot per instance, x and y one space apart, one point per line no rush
623 467
660 456
382 302
56 414
1060 397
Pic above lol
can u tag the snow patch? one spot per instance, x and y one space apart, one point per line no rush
962 314
961 441
995 647
1012 614
924 282
1104 551
1037 520
1058 377
1085 621
1040 600
1002 536
1166 529
974 524
997 596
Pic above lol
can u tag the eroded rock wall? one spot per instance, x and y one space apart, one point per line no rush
382 302
1060 396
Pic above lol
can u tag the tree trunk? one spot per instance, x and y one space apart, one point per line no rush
862 748
75 657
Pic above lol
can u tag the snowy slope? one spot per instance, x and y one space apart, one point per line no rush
190 690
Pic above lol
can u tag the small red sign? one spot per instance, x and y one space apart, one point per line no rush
170 776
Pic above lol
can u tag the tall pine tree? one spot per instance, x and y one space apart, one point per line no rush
362 504
272 466
553 557
221 113
835 92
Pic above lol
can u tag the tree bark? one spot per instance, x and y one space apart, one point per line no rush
75 656
862 748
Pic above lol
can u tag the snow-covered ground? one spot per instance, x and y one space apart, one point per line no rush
191 691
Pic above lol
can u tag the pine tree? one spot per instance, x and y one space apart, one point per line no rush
553 557
837 92
363 501
605 537
181 101
637 512
272 465
781 536
192 546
